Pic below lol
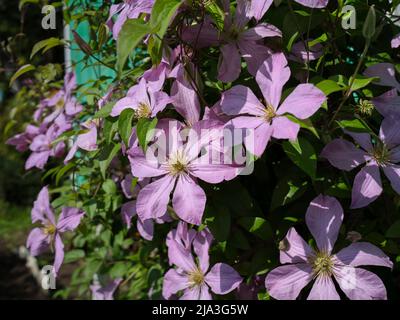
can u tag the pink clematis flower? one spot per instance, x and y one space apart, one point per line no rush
303 264
22 141
106 292
86 141
49 235
143 100
268 119
384 154
196 279
42 145
129 9
177 172
236 41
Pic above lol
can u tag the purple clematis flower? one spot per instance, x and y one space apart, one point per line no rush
268 119
106 292
196 279
383 153
236 41
304 264
129 9
86 141
40 239
143 100
42 145
22 141
178 171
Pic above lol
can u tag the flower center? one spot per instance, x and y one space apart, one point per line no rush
177 163
269 113
49 229
143 111
381 153
322 264
365 107
196 278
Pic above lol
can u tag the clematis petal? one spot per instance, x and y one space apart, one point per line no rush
259 7
254 54
222 278
283 128
363 254
41 210
286 282
343 155
59 253
69 219
144 166
294 249
122 104
153 199
367 186
128 211
241 100
392 172
173 283
323 218
390 132
323 289
257 142
189 200
37 242
360 284
230 63
201 246
180 256
386 72
303 102
271 77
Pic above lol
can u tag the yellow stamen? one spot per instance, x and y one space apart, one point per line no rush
143 111
196 278
322 264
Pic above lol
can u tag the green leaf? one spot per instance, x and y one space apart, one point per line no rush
46 45
258 226
74 255
219 222
119 269
144 131
329 86
106 156
216 13
109 187
360 82
305 124
125 125
287 191
355 125
104 111
63 171
302 153
161 15
131 34
24 69
394 230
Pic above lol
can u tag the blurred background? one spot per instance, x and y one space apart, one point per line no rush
20 29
